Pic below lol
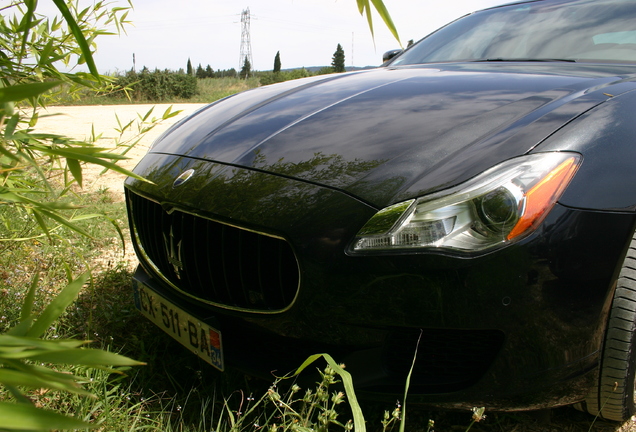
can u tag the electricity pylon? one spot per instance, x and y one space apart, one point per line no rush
246 44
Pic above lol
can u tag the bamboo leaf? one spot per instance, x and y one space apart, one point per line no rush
34 119
370 20
87 357
57 306
68 153
86 217
17 394
76 170
18 92
145 117
361 4
23 417
26 24
59 219
168 113
63 382
364 6
8 340
41 223
408 383
22 328
10 126
8 154
25 313
79 37
119 232
386 17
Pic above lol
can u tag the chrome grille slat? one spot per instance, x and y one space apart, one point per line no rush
208 239
225 251
216 263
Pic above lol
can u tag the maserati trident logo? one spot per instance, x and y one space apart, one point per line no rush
183 177
174 252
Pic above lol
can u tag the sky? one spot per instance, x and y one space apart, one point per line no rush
166 33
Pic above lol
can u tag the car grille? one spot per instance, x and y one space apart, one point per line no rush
447 360
213 262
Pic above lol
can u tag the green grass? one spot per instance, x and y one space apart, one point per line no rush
209 90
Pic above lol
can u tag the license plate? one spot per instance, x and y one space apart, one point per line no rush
192 333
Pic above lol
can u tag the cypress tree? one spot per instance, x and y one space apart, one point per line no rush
277 62
338 61
189 70
200 72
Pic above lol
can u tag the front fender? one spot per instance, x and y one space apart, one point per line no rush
606 137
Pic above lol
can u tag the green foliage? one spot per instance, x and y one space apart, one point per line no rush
277 64
246 69
316 409
209 73
200 72
338 60
40 175
22 354
158 86
325 70
226 73
33 165
364 6
267 78
189 70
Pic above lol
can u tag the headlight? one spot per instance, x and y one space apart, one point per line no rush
499 206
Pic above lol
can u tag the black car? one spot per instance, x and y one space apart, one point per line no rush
476 193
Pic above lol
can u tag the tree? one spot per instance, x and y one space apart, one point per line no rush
200 72
246 70
209 73
189 70
277 62
223 73
338 61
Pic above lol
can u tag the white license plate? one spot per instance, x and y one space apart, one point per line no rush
192 333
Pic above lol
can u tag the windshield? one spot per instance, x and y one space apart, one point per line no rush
581 31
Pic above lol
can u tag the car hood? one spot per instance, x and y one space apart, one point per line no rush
393 133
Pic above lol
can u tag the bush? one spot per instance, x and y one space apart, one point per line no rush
159 85
268 78
276 77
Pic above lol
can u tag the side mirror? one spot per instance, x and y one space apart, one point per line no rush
390 54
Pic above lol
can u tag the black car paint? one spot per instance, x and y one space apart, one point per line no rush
311 161
428 132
